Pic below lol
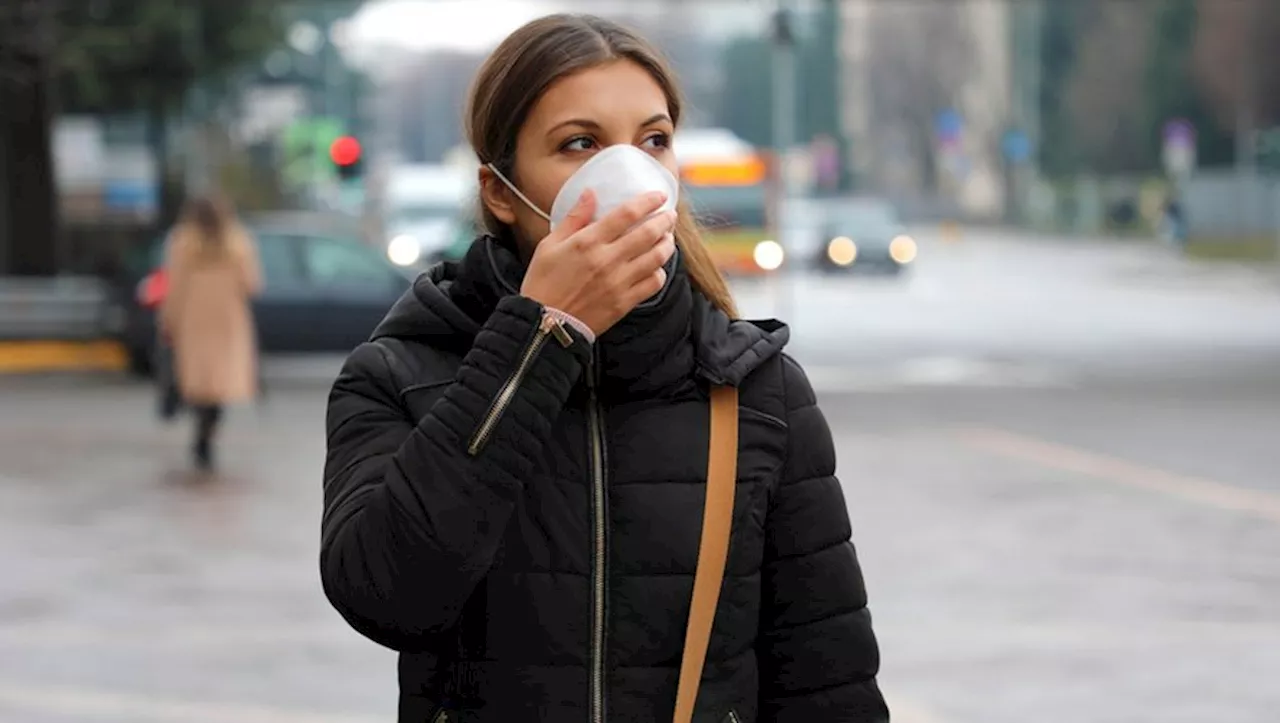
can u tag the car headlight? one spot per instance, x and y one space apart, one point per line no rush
404 250
842 251
768 255
903 249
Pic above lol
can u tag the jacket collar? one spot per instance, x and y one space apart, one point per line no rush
658 350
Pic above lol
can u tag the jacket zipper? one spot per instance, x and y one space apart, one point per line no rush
599 510
733 717
547 328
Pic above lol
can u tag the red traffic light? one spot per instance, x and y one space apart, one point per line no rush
345 151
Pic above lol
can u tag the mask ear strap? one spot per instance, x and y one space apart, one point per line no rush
507 182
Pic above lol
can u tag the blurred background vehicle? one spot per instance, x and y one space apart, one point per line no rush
324 289
727 185
464 227
423 202
862 235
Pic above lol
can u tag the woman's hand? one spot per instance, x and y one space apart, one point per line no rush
598 272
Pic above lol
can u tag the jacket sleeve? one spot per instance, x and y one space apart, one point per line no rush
818 655
412 518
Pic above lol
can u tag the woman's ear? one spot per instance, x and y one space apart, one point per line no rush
496 197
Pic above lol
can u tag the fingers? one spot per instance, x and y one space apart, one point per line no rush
579 217
618 221
652 259
643 238
645 288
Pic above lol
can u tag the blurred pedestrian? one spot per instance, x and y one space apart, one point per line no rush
1174 222
211 262
517 461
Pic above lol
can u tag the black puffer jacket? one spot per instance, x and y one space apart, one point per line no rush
520 518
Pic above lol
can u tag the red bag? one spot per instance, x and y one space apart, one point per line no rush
153 289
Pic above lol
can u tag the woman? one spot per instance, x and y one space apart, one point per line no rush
516 460
212 265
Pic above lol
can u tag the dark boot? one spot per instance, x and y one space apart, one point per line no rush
203 454
207 418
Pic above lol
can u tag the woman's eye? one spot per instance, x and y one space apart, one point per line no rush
658 140
581 143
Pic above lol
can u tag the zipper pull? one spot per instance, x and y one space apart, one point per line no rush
555 327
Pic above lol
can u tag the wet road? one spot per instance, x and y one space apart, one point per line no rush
1063 467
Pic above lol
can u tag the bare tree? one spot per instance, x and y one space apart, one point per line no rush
1105 94
919 57
1235 60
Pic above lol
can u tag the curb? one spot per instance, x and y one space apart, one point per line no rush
42 356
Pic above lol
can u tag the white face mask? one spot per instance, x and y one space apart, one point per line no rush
616 174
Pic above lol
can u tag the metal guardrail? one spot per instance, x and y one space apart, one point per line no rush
62 308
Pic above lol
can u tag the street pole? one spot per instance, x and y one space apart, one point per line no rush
784 116
1031 108
784 102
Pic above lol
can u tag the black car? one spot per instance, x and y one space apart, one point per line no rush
864 235
324 290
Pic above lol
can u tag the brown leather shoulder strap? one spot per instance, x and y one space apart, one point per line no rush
713 551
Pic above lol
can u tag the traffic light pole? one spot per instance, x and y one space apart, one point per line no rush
784 103
784 116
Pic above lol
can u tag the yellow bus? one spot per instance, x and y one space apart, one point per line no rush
726 182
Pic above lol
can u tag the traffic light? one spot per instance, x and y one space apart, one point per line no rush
346 154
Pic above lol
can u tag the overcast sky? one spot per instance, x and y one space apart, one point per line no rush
478 25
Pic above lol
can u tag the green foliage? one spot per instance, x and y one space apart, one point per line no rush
127 55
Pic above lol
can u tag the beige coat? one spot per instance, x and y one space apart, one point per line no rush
208 317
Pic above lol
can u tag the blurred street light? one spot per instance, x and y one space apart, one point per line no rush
305 38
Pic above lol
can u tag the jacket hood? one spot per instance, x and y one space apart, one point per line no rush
678 332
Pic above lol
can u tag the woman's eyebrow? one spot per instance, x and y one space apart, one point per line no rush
592 125
657 118
582 122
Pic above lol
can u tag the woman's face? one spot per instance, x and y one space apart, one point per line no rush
575 118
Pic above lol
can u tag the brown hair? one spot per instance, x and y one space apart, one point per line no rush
533 58
210 219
